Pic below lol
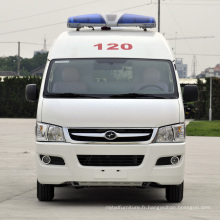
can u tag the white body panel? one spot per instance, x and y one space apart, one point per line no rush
146 172
110 113
80 44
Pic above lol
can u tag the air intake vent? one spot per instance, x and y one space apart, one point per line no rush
110 160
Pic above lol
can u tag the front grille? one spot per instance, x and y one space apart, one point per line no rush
110 160
88 138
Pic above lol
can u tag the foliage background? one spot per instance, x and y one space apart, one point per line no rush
204 99
12 97
26 64
12 89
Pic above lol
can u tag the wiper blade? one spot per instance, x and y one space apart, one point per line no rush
71 95
137 95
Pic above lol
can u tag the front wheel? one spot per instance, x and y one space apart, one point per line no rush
45 192
174 193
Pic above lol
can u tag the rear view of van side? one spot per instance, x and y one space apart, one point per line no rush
110 109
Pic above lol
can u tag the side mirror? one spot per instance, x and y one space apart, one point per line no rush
190 93
31 93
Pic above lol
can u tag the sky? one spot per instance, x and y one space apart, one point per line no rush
30 21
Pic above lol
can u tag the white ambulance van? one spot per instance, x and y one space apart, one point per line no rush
110 108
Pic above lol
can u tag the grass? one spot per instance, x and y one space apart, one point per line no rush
203 128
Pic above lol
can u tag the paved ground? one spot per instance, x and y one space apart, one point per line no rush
18 185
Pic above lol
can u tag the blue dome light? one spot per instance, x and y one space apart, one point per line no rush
111 20
138 20
86 20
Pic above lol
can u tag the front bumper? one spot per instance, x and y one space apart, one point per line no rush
73 171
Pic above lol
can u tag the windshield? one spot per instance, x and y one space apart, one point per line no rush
110 78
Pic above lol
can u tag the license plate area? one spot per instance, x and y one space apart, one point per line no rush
110 174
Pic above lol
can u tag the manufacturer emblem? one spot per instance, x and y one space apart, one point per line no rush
110 135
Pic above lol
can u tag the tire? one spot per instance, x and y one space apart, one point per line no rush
45 192
174 193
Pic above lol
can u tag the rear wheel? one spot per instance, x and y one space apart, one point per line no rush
174 193
45 192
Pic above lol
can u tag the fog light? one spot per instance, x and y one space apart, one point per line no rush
46 159
174 160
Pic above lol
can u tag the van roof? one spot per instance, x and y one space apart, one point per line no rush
114 43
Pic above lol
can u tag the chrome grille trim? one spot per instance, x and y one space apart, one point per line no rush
117 134
69 140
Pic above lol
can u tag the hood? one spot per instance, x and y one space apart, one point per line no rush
110 112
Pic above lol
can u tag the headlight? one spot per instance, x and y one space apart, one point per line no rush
55 133
172 133
46 132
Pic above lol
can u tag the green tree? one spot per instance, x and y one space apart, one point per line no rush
8 63
204 99
26 64
30 64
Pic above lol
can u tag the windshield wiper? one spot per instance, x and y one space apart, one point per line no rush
137 95
71 95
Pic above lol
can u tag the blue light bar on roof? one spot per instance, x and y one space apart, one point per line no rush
85 20
137 20
111 20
